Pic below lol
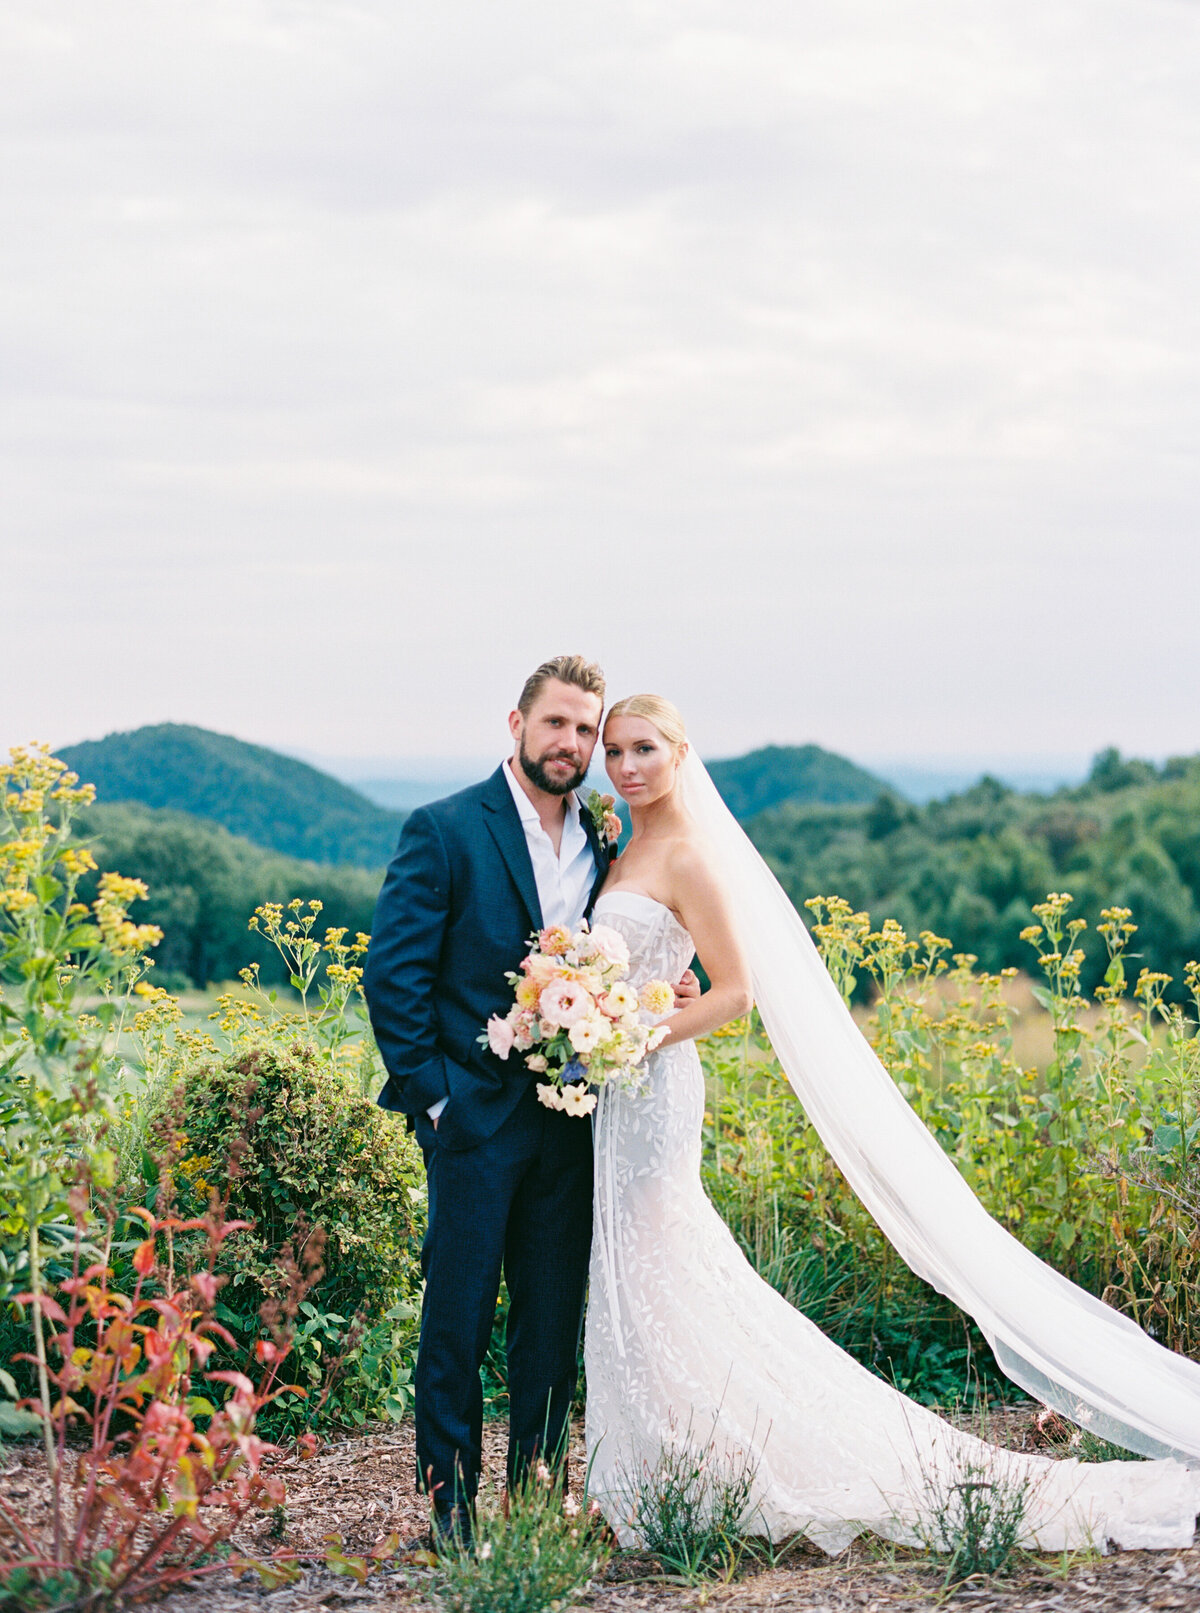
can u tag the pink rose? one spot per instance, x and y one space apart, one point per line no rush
611 945
607 1007
500 1036
563 1002
522 1028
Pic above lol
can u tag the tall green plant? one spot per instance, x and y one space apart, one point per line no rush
58 957
1093 1162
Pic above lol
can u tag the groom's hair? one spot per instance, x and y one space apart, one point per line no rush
572 669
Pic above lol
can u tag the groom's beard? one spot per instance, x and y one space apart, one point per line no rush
537 775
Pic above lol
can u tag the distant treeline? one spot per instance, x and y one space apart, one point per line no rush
204 884
971 866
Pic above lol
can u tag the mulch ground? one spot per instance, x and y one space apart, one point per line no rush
361 1488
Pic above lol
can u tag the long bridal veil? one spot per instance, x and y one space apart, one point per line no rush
1057 1342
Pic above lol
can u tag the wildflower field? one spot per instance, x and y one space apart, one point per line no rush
209 1233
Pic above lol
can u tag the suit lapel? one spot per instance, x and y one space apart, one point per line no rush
601 852
504 823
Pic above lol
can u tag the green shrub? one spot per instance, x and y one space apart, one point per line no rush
298 1147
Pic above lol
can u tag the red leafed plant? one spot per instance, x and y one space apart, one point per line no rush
152 1492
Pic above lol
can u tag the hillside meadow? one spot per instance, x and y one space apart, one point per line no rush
216 1163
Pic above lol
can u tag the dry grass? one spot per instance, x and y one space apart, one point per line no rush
361 1488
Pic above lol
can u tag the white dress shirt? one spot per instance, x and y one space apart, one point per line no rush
564 878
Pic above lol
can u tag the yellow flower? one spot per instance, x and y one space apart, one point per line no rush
528 992
76 859
656 997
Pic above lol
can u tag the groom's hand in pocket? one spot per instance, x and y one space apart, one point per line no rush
687 990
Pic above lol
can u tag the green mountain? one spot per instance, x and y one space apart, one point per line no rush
802 773
971 866
272 800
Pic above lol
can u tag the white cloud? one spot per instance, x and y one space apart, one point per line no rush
835 369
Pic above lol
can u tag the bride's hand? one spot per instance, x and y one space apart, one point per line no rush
687 990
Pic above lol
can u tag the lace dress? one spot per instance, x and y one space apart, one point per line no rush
686 1345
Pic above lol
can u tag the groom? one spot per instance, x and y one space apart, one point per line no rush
510 1181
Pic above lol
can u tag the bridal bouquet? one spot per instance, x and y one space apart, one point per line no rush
575 1019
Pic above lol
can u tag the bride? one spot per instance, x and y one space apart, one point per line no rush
687 1345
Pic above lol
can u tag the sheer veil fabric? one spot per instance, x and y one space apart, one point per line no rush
1057 1342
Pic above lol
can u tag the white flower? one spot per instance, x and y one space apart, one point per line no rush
585 1034
622 999
577 1101
485 1550
550 1096
571 1506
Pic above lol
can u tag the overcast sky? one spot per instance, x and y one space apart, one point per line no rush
834 369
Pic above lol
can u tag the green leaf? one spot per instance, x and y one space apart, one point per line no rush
15 1421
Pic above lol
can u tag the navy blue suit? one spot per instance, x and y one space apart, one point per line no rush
510 1182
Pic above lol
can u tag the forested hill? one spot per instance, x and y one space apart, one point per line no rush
971 866
270 799
204 883
801 773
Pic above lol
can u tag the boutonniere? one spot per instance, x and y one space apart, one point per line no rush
605 821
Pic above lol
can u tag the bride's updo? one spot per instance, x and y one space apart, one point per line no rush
657 709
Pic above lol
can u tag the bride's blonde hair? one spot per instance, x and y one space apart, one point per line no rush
657 709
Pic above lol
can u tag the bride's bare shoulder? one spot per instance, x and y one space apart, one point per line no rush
690 860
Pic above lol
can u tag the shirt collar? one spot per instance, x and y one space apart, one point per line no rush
525 807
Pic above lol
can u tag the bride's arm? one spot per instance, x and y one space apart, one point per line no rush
701 904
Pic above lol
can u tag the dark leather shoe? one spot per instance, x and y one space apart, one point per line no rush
452 1527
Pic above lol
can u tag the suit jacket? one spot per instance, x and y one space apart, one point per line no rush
455 913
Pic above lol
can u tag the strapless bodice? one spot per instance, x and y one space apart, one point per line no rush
659 946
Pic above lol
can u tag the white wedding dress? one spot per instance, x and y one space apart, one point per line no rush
687 1344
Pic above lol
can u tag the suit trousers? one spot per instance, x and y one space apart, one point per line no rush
519 1202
